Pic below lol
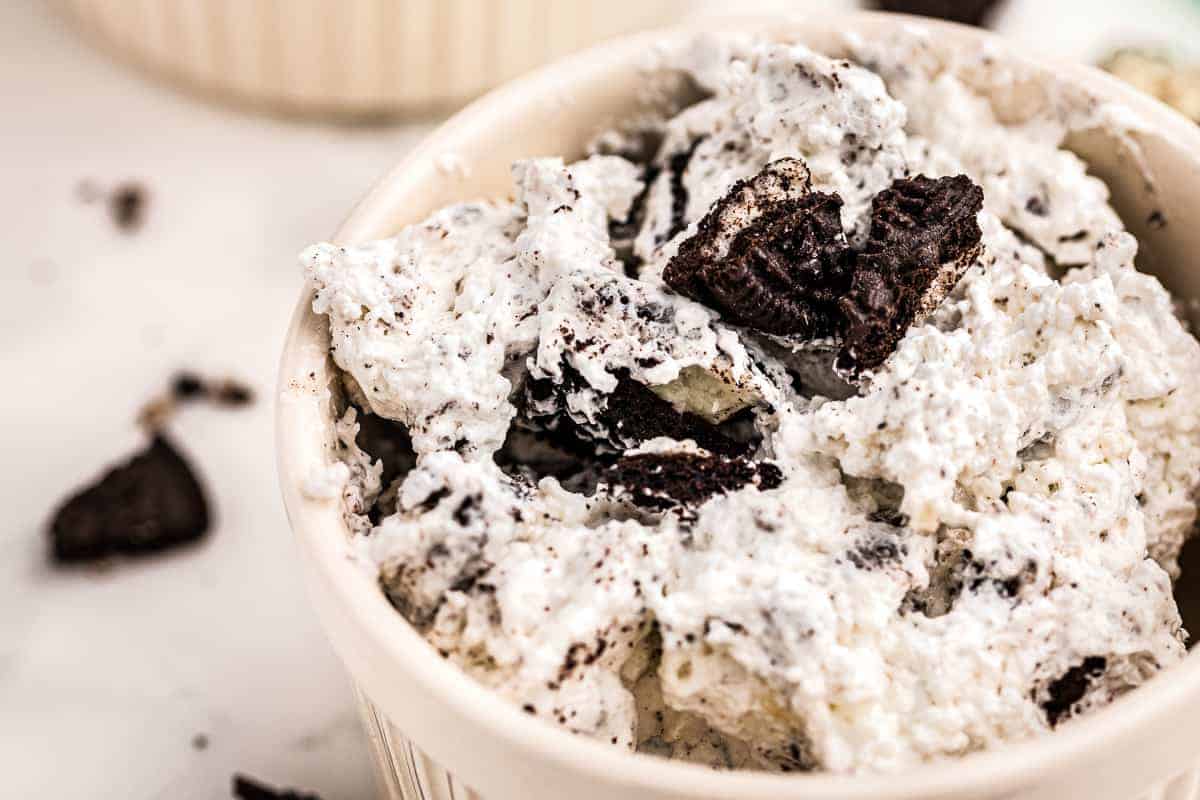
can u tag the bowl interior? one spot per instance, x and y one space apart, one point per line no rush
556 111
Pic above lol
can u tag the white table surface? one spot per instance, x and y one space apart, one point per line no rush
106 676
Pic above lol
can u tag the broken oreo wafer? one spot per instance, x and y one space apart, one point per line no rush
924 235
665 480
770 255
152 502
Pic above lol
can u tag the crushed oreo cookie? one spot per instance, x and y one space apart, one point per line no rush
924 235
771 255
1064 692
245 788
664 480
968 12
783 272
708 269
633 414
151 503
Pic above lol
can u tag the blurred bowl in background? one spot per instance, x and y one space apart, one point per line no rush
354 58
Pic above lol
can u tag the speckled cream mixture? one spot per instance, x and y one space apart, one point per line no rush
685 521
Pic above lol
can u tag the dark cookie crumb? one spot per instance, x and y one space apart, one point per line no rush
924 235
187 385
876 552
151 503
1067 690
229 393
127 205
246 788
968 12
200 742
664 480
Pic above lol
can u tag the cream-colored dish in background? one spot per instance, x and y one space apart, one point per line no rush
355 57
496 750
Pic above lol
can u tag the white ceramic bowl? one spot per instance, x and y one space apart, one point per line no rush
437 732
355 57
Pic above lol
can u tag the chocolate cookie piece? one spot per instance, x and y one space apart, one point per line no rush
151 503
968 12
665 480
924 235
1070 688
245 788
633 414
770 255
783 273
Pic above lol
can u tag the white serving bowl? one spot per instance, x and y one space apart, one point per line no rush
355 57
437 732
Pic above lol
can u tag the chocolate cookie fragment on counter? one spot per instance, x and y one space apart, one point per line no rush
152 502
770 255
665 480
245 788
924 235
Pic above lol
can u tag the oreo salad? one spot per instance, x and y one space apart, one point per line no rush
822 422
